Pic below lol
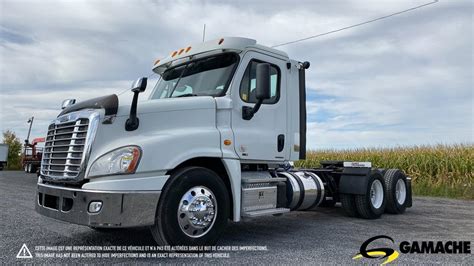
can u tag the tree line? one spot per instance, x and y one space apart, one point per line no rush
14 150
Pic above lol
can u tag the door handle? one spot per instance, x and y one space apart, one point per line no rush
281 142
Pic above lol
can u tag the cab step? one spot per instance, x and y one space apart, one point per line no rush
257 213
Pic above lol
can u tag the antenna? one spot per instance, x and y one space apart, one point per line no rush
356 25
204 33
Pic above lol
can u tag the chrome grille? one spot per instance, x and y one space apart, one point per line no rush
64 148
67 145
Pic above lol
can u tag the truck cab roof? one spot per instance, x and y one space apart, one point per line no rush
237 44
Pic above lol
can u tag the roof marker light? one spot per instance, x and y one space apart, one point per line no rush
157 61
174 53
221 41
188 49
181 51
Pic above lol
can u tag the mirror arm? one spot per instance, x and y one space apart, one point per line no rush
257 106
248 112
133 122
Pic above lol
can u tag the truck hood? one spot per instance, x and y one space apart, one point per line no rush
112 106
166 105
166 125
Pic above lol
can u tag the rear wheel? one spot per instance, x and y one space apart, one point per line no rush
372 204
193 209
348 205
396 191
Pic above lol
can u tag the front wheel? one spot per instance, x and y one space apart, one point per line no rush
193 208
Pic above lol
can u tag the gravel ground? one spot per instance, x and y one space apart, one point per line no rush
314 237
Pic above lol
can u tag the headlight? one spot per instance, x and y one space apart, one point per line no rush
120 161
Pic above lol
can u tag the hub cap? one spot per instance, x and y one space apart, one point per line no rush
400 191
376 194
197 211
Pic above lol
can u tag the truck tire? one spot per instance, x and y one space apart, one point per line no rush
372 204
193 209
348 205
395 191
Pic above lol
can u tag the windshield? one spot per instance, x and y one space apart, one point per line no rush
208 76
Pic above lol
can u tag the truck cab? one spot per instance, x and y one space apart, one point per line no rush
214 141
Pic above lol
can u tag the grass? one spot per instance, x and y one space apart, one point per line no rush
441 171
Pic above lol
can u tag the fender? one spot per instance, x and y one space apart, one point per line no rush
354 180
234 173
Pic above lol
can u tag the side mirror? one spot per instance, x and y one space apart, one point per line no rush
139 85
262 91
263 82
68 102
133 122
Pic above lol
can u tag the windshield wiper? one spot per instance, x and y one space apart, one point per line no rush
179 79
185 95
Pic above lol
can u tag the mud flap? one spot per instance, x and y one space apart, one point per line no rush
409 198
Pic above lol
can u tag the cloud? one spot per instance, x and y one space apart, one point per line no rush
401 81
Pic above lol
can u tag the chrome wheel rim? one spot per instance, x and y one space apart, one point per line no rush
400 191
376 194
197 211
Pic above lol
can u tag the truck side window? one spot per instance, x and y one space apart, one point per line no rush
247 86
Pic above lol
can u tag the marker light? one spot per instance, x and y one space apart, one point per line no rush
157 61
221 41
174 53
181 51
188 49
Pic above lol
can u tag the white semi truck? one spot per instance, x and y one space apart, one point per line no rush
214 141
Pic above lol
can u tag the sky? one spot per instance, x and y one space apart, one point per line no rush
406 80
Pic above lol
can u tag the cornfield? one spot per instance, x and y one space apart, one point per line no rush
442 170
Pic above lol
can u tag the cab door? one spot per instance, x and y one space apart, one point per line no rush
263 137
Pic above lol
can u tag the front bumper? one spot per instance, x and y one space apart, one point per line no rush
119 208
